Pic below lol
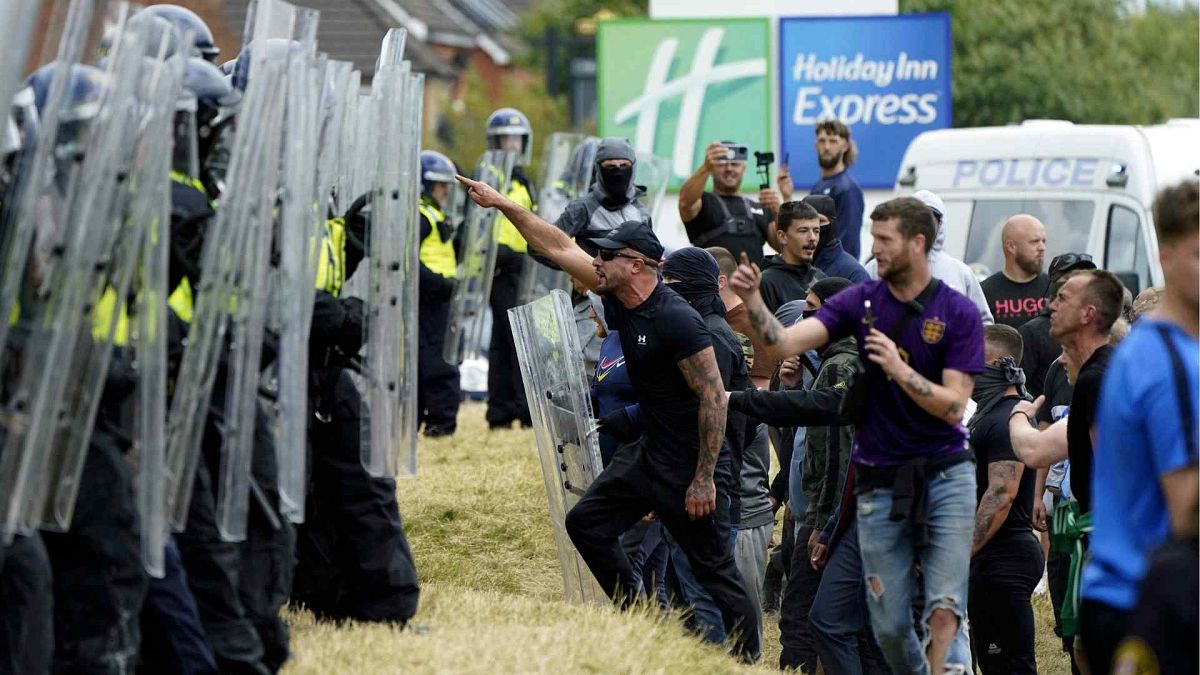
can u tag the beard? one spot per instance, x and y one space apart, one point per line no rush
829 162
1030 265
898 270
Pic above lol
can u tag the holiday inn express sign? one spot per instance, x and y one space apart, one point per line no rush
674 86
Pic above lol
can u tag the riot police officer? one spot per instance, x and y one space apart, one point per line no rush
508 129
438 392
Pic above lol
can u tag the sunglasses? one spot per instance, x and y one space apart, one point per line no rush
1068 260
607 255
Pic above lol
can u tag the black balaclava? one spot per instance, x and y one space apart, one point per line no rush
992 383
825 206
616 184
696 272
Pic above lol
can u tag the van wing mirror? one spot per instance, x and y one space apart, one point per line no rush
1131 280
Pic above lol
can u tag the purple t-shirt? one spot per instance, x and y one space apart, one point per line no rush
947 334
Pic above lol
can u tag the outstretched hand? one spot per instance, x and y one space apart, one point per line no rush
746 278
481 193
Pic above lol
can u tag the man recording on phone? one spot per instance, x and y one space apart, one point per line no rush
723 217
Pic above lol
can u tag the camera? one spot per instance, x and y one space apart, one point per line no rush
735 152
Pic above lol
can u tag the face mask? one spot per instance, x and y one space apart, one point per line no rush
615 180
808 313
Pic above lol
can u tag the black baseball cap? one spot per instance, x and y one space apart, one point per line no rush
1069 262
634 234
824 205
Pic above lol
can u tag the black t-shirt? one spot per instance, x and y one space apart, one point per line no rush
1058 392
1084 402
655 336
731 363
991 443
1040 351
1014 303
741 226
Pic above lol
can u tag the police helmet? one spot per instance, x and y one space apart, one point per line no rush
510 122
81 100
274 49
435 168
185 20
209 85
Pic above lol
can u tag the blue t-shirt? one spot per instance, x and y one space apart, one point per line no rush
611 387
848 198
947 334
1139 438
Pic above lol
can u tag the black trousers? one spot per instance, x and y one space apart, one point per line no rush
438 393
354 559
627 490
99 582
506 391
26 607
173 641
1002 580
1102 627
795 637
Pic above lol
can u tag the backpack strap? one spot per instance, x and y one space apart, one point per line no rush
1183 391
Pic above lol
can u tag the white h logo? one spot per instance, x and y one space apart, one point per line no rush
691 87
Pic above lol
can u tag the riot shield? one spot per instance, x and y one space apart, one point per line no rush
560 405
18 18
654 173
477 264
389 365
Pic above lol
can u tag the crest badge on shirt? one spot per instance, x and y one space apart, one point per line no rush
933 330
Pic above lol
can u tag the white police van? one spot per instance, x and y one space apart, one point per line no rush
1092 185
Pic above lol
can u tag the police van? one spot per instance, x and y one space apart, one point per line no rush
1091 185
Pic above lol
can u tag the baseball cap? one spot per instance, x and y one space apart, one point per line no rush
634 234
1069 262
824 205
933 201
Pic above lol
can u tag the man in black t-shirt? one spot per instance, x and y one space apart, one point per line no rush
723 217
1006 561
671 470
1017 293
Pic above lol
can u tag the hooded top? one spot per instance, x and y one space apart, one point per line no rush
782 282
953 272
600 211
695 272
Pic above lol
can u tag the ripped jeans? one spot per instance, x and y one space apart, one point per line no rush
888 556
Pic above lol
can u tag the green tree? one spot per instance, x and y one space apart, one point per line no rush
1088 61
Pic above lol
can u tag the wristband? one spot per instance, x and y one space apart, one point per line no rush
1021 412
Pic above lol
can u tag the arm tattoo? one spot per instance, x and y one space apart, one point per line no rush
700 371
765 324
996 501
954 409
917 385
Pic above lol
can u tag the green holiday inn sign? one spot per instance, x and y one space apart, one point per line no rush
674 86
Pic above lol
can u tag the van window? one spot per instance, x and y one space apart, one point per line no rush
1125 247
1068 223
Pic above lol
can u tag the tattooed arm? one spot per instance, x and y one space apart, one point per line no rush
778 342
946 401
1004 478
700 371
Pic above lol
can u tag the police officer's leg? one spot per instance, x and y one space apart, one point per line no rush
316 577
438 388
379 579
213 573
505 402
173 640
26 607
99 582
266 556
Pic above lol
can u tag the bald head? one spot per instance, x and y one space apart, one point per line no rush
1024 239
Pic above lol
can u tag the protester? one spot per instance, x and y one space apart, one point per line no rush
831 258
613 197
789 275
910 450
762 369
1040 347
1017 293
950 270
673 470
723 217
1006 562
836 154
1145 477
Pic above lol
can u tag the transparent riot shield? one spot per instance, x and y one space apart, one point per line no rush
36 193
477 264
389 365
654 173
556 387
18 18
79 298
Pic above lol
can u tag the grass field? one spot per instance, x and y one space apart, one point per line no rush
491 597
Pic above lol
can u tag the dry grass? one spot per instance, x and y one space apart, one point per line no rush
491 591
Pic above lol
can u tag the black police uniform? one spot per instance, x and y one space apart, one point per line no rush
353 557
506 391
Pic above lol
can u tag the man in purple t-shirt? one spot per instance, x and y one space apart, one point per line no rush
914 478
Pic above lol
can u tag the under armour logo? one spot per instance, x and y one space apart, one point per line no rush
690 87
641 339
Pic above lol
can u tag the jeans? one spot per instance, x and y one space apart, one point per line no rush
888 556
796 499
648 555
706 616
839 619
